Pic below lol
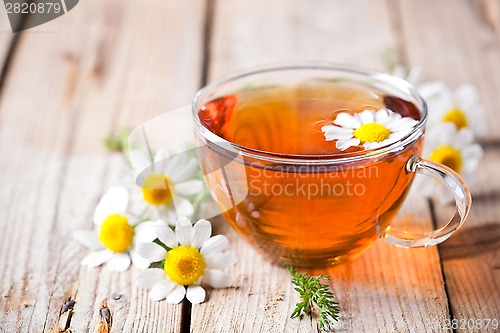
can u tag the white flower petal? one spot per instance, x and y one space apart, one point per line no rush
338 135
161 154
446 133
478 122
119 262
183 231
97 258
217 279
344 144
139 160
463 137
190 187
217 243
145 232
169 215
118 198
335 132
399 71
405 123
150 277
471 155
101 213
151 251
394 137
167 236
88 238
183 207
381 116
176 295
195 294
138 260
372 145
201 233
183 221
431 89
365 117
185 172
221 261
161 161
161 290
465 96
472 152
114 201
346 120
175 162
414 75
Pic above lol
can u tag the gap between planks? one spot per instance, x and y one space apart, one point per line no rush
10 52
401 54
94 96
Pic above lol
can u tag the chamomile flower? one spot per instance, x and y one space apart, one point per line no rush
372 129
455 149
168 181
460 107
115 238
194 258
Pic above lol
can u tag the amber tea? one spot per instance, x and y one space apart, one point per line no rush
319 185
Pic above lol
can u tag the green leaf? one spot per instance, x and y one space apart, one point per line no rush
119 141
315 296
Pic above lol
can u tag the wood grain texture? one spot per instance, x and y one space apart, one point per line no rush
467 44
261 300
387 289
453 42
471 258
6 35
390 289
490 10
94 71
77 79
254 33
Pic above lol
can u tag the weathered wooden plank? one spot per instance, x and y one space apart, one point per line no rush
471 259
387 289
94 70
490 9
391 289
353 32
261 301
6 36
468 50
453 42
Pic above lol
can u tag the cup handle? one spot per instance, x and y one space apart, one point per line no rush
463 201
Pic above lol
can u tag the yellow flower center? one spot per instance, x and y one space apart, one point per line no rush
373 132
457 117
184 265
116 234
448 156
156 190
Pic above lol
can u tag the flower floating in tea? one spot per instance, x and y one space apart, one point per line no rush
117 234
168 184
455 149
460 107
189 257
369 128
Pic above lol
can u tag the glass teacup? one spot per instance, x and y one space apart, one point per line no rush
296 194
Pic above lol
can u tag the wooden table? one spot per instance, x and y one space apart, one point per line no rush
69 83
